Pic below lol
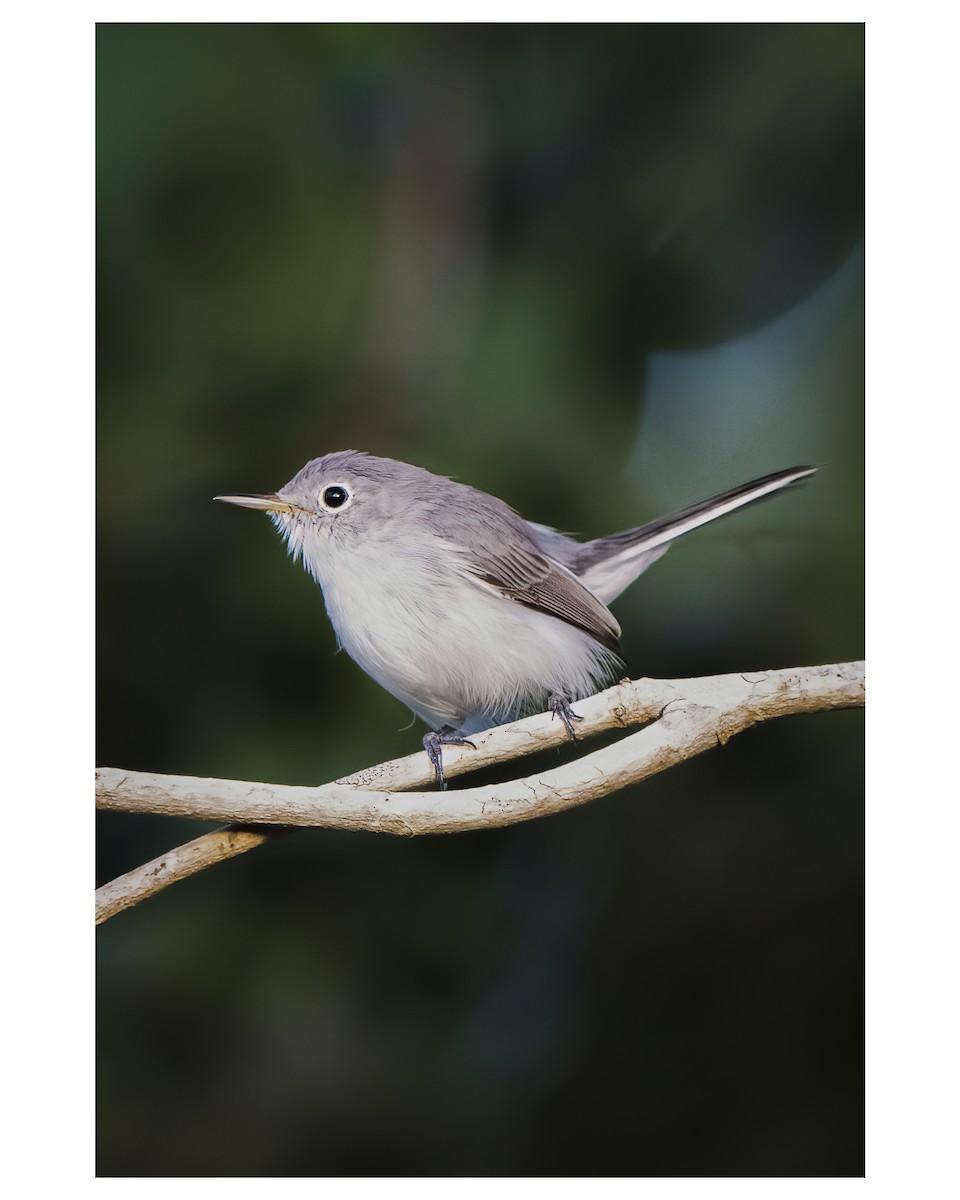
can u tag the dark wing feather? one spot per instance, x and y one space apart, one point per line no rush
521 573
499 553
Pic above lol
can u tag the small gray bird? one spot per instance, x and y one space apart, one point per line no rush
468 614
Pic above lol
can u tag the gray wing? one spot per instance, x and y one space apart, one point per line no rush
529 577
500 554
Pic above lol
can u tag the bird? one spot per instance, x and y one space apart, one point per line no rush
468 614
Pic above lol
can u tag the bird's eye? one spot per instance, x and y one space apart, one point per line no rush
334 497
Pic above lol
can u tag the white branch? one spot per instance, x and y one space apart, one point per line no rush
689 716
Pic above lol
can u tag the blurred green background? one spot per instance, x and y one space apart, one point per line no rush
600 271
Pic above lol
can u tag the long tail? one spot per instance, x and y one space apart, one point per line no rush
609 564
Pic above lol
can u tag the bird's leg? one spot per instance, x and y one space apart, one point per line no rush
446 735
559 705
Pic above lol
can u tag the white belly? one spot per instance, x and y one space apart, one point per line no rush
453 652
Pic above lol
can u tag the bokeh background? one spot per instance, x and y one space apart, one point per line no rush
601 271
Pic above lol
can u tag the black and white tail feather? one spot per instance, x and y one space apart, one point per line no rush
608 565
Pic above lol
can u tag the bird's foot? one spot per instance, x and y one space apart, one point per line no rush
446 735
559 705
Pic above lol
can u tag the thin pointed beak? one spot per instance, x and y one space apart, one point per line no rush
264 503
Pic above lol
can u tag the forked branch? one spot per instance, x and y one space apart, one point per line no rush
680 719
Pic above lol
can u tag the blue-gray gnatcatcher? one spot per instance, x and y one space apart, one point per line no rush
465 612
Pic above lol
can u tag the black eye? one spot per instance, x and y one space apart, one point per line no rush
334 497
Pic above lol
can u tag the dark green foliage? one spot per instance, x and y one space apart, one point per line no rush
601 272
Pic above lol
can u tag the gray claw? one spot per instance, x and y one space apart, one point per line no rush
559 705
433 743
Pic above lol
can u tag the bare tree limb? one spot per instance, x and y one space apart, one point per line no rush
688 716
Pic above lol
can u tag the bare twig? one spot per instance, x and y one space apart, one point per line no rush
689 716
